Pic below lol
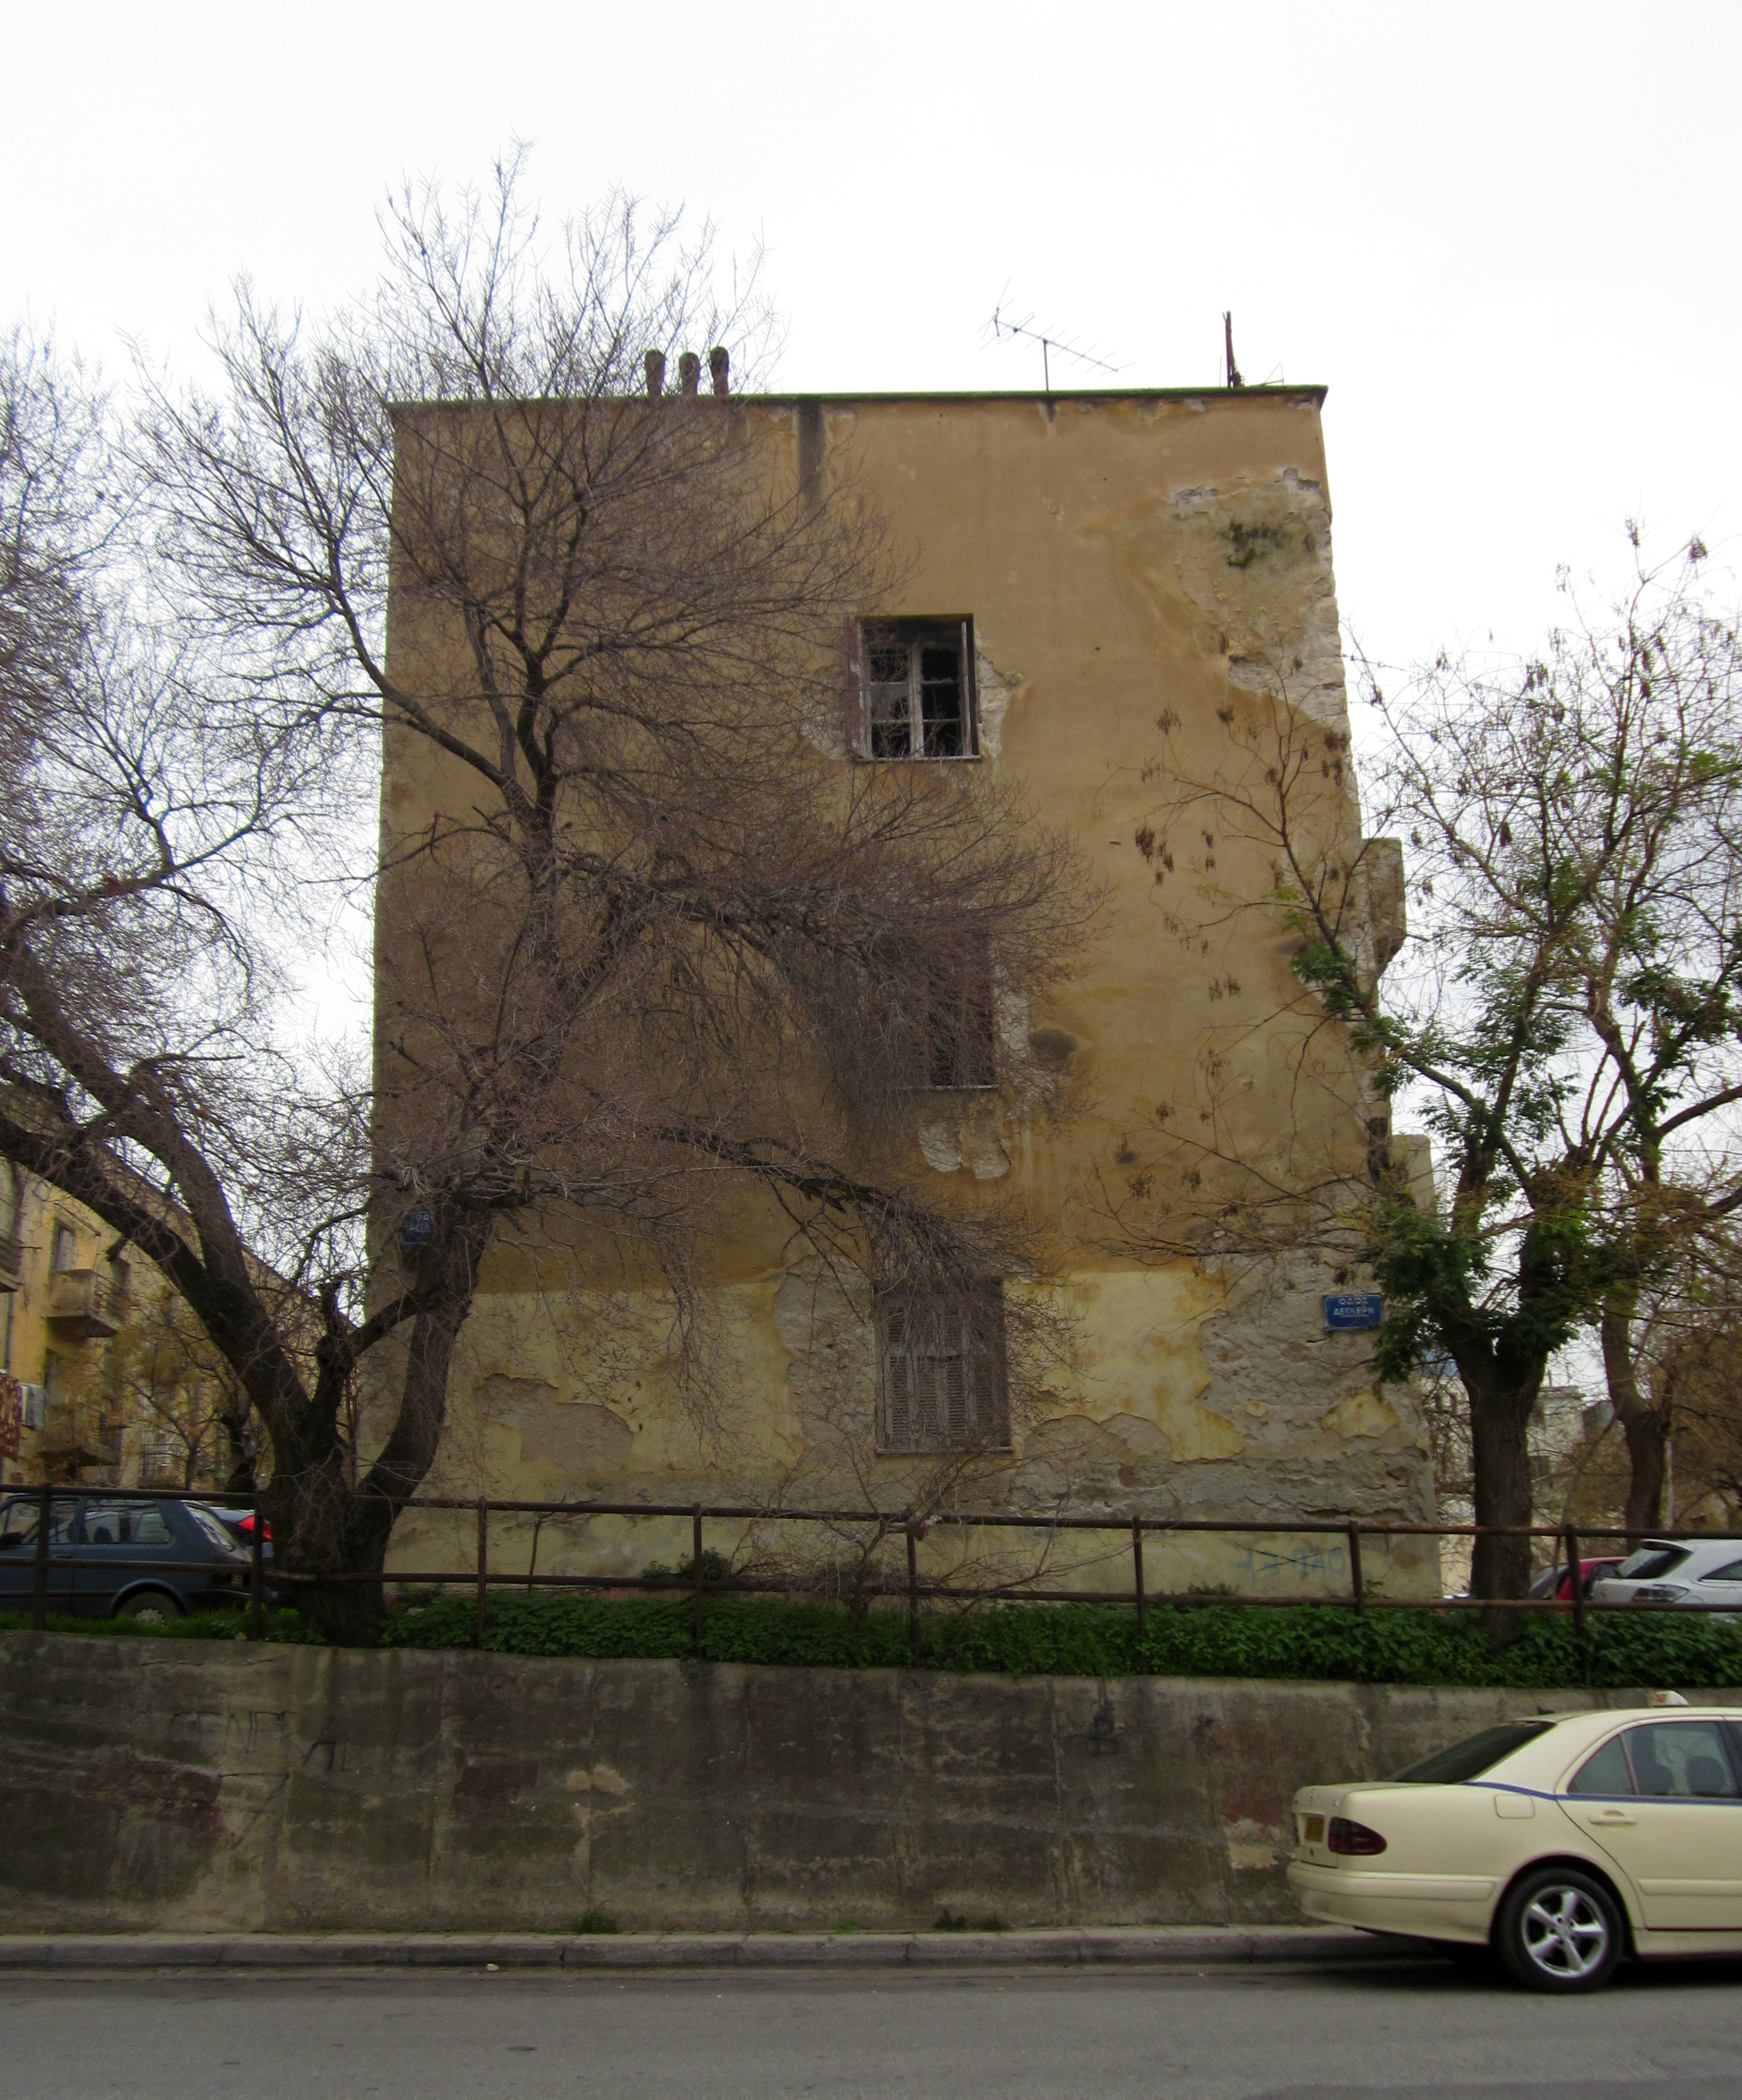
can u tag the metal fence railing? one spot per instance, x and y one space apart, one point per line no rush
888 1528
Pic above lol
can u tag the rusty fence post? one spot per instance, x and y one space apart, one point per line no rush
483 1570
1137 1572
912 1546
1355 1583
39 1570
1576 1587
256 1626
701 1605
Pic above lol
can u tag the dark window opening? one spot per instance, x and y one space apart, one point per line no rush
941 1371
919 689
961 1040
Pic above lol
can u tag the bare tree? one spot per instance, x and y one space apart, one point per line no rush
648 952
175 1390
1563 1024
146 804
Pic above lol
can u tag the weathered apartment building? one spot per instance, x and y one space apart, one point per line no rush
1083 568
105 1378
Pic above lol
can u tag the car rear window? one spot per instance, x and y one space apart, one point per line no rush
213 1530
1651 1561
1474 1756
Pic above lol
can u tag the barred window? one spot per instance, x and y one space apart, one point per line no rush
941 1371
918 689
159 1456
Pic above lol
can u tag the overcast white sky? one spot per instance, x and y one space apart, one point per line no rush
1505 236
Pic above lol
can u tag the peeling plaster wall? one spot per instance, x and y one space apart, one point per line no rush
1123 557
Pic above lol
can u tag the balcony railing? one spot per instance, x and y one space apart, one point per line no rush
88 1303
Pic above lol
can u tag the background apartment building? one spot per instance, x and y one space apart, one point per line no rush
105 1378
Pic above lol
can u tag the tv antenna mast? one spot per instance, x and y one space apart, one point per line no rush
1001 325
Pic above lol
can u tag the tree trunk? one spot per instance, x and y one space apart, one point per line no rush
1648 1449
1500 1453
334 1528
1645 1427
240 1480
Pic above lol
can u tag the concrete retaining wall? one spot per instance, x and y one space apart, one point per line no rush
159 1784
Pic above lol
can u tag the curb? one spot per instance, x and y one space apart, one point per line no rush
1176 1947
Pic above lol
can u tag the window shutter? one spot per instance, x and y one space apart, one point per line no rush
956 1413
991 1412
970 694
897 1425
942 1373
853 690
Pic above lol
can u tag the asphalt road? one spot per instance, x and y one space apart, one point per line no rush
1420 2030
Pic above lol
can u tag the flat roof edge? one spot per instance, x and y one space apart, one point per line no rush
1312 392
1230 394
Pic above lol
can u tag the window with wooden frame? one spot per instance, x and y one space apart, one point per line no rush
942 1377
917 685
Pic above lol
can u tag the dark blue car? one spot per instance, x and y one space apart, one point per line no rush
107 1531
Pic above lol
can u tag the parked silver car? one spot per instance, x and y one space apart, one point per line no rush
1676 1571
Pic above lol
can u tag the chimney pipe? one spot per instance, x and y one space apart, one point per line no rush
720 364
655 362
689 372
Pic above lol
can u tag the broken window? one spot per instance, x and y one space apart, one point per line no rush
941 1371
918 689
961 1035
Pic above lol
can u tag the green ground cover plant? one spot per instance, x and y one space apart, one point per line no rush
1308 1641
1210 1640
279 1626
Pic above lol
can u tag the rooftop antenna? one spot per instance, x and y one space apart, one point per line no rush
1002 325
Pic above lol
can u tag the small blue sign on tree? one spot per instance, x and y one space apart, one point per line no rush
417 1228
1354 1308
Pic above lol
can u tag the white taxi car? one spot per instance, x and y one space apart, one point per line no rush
1564 1841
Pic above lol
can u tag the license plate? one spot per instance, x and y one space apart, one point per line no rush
1312 1829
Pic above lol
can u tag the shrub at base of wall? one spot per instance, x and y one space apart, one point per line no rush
1313 1642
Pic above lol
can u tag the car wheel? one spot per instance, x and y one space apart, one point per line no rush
1559 1931
151 1608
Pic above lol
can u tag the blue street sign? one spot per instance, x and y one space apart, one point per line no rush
1354 1308
417 1228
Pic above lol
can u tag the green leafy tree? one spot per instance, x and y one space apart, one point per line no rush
1564 1025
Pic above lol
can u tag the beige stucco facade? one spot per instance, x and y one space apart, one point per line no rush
1125 560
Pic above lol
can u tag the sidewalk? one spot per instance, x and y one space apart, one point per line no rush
1171 1947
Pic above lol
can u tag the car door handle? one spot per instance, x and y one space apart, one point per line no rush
1609 1815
